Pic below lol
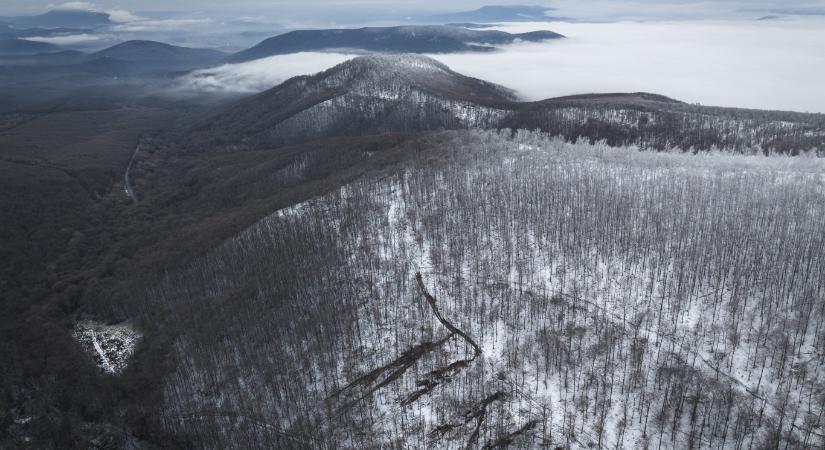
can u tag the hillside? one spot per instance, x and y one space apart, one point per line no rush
370 94
150 51
414 93
499 13
59 18
10 32
491 290
405 39
24 47
51 58
149 54
392 255
38 70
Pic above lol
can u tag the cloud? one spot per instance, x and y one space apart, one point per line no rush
70 39
749 64
128 22
115 15
764 65
122 16
160 25
70 6
258 75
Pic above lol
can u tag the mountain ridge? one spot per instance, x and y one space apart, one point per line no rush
412 93
499 13
399 39
26 47
381 93
60 18
159 52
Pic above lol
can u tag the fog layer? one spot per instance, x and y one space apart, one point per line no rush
751 64
261 74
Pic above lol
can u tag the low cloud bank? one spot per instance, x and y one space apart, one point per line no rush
69 39
749 64
259 75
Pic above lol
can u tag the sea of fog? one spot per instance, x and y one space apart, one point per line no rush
771 64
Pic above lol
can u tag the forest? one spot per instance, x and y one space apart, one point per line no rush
512 289
389 254
409 93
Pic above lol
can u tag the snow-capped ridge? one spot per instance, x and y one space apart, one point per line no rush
373 74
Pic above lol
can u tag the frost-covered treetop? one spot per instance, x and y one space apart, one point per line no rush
402 62
407 71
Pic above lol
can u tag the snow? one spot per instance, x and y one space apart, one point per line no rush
490 272
111 346
23 420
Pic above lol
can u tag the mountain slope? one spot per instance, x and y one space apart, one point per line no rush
61 18
558 270
51 58
370 94
9 32
405 39
24 47
498 13
377 94
154 54
140 61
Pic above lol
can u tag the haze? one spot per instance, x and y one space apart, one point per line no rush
359 9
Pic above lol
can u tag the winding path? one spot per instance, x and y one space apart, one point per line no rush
127 184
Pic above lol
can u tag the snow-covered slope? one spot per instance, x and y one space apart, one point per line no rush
569 295
408 93
366 95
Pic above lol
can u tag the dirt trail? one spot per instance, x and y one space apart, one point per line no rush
127 183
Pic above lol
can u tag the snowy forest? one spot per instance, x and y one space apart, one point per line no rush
513 289
418 225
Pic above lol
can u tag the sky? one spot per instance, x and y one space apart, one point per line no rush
273 9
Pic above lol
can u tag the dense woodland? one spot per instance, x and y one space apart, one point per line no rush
570 295
664 124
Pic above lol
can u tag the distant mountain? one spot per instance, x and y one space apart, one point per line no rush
408 94
497 13
476 26
60 19
789 11
24 47
14 33
157 54
637 98
52 58
140 61
404 39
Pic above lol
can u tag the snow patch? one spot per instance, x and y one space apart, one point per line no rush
111 346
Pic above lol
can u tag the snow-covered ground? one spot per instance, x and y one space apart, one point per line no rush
619 301
111 346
